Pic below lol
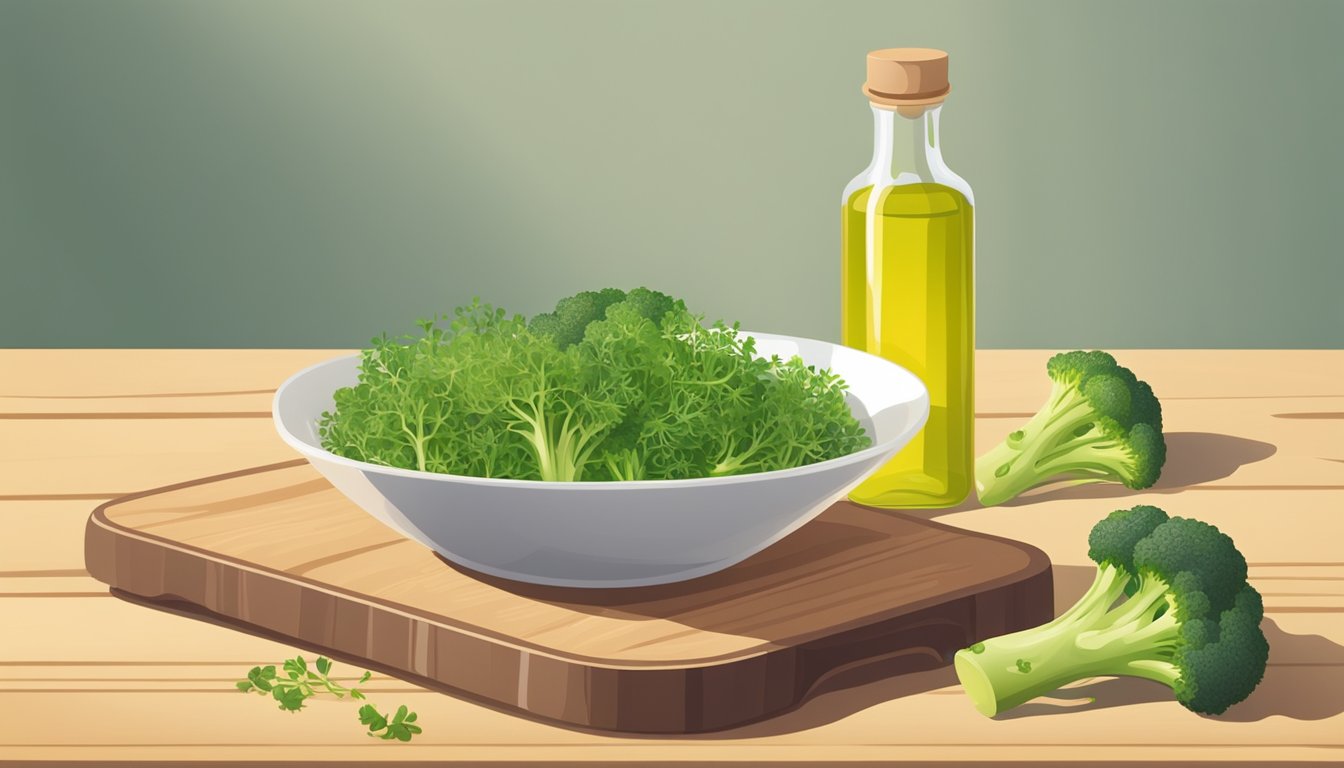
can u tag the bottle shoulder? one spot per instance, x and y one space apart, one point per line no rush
862 181
920 200
937 176
949 178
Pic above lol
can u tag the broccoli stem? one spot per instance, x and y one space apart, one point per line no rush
562 451
1091 461
1091 639
1055 441
628 464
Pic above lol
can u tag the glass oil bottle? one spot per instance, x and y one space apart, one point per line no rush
907 276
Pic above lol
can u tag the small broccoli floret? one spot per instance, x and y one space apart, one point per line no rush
1101 424
1113 539
1169 603
650 305
1218 657
573 314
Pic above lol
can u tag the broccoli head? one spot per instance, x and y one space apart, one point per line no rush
1101 424
573 314
650 305
1169 603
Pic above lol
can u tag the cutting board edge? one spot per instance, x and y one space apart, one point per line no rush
97 563
100 562
660 698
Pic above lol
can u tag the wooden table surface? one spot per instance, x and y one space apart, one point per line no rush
1256 446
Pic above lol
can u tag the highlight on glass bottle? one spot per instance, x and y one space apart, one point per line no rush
907 276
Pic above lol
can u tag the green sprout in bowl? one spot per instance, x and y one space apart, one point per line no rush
609 386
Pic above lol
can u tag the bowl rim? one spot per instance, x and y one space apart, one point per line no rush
316 452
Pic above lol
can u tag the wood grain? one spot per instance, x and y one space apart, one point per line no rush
1011 380
1283 510
155 381
43 535
278 548
102 458
1058 523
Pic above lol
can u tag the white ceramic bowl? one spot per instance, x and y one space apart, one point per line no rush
611 534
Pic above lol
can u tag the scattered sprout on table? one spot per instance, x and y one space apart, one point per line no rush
295 683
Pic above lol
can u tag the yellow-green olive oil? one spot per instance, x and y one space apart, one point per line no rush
909 297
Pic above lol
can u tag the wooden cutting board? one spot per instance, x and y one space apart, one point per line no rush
276 550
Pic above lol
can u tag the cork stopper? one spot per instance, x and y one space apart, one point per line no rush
906 77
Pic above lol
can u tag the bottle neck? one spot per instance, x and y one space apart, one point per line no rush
906 147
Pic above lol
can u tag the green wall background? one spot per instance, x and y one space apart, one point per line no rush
302 173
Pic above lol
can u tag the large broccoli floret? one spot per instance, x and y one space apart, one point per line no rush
1186 617
1101 424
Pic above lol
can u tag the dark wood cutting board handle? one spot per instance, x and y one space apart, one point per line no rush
926 639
